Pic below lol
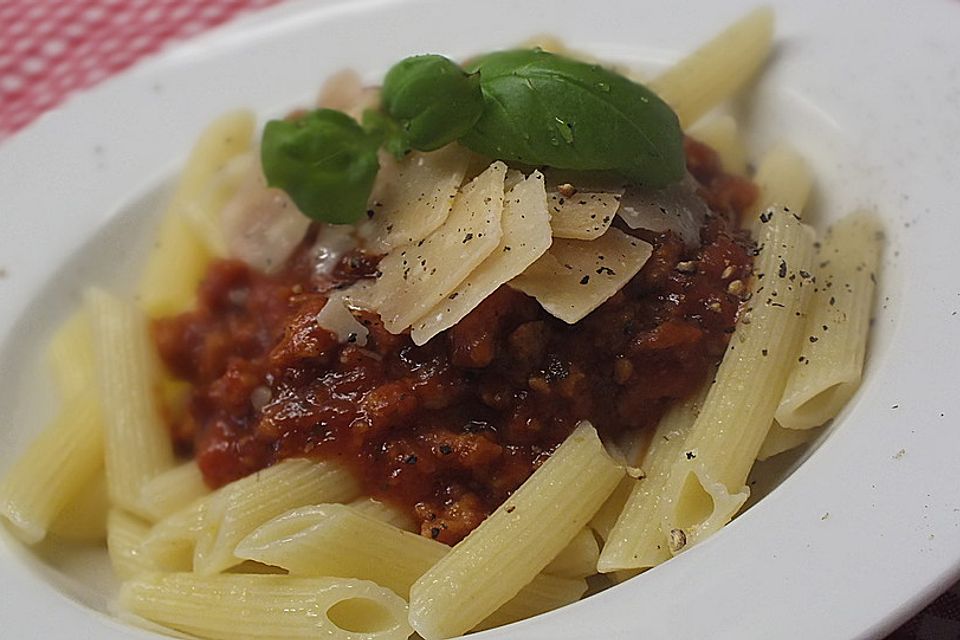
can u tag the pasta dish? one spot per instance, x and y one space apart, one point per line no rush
427 357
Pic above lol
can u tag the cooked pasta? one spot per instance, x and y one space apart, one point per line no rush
242 607
392 422
837 325
137 446
712 73
518 541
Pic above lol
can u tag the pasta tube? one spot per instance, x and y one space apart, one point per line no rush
137 444
268 607
707 481
835 335
517 541
234 511
338 540
715 71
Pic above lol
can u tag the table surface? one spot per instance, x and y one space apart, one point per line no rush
50 50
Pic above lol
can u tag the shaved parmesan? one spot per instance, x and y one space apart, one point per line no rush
526 237
677 208
582 216
419 275
336 317
345 91
262 226
413 198
576 276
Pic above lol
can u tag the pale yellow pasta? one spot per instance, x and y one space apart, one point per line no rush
722 134
84 518
635 540
603 521
780 440
517 541
578 559
125 535
717 69
136 442
171 542
385 512
835 335
53 470
784 180
268 607
204 211
338 540
173 490
707 482
70 355
544 593
237 509
179 255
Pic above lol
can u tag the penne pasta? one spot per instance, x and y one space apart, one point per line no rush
172 490
578 559
53 470
717 69
784 180
385 513
175 265
268 607
234 511
517 541
602 523
84 518
70 355
707 481
136 443
780 440
635 540
723 135
125 535
838 323
171 542
338 540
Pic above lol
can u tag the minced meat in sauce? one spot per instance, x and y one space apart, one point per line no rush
449 430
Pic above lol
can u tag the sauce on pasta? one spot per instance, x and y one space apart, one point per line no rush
449 430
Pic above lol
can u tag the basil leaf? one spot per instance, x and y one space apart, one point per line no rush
325 161
544 109
432 99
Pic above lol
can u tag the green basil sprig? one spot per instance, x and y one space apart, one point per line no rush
544 109
325 161
432 99
526 106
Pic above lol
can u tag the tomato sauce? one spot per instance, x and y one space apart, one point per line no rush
449 430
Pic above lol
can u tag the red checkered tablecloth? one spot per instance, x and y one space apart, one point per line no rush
50 49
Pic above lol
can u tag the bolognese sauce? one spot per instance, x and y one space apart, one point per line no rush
448 430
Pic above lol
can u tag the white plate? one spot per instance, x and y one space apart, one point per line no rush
864 533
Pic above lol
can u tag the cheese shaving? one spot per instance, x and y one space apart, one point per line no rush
584 215
336 317
413 197
526 237
419 275
576 276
